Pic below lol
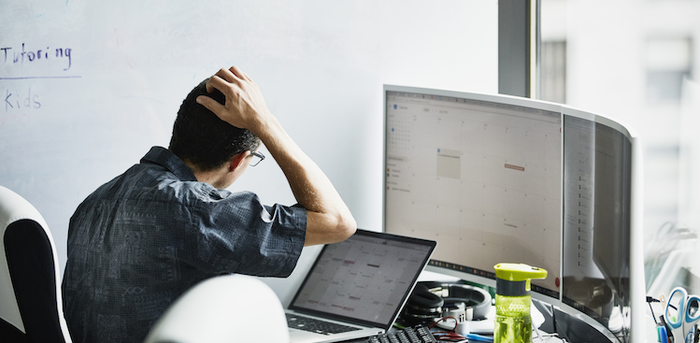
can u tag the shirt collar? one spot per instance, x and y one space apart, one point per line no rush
164 157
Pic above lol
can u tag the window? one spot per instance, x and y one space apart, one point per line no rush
553 71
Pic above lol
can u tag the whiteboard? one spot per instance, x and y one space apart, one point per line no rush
90 86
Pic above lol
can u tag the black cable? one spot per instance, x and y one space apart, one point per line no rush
649 301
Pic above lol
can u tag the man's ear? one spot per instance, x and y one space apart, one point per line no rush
237 160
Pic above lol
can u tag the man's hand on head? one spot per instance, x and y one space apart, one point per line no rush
328 218
244 106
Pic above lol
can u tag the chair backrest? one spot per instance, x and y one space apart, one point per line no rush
31 309
229 308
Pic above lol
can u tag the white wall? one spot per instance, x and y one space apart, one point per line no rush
66 129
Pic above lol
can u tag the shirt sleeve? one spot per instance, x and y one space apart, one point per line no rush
236 233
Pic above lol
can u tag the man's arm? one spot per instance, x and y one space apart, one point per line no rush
328 218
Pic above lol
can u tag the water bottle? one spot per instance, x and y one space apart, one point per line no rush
513 320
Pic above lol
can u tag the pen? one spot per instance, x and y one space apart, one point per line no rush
478 338
667 329
661 333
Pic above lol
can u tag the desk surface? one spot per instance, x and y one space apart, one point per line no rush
543 338
538 318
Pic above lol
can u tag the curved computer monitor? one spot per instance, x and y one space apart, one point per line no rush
503 179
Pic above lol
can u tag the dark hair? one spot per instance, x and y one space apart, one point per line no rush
204 140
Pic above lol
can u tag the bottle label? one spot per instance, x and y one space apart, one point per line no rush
513 329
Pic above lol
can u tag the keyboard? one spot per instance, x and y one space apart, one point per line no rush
316 325
411 334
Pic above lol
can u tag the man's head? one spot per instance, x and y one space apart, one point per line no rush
203 140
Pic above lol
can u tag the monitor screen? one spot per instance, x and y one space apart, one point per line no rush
499 179
597 198
483 178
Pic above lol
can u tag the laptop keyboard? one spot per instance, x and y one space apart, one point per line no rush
411 334
316 325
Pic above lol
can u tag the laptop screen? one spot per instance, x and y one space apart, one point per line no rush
365 279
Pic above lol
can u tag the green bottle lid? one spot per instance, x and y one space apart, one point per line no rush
513 279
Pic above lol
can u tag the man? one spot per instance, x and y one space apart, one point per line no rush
141 240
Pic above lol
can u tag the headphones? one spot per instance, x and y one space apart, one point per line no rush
432 300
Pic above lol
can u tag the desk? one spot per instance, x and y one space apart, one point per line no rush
542 338
542 317
538 336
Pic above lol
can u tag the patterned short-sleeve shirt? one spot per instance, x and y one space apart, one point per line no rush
144 238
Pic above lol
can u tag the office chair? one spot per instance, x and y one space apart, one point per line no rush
229 308
31 308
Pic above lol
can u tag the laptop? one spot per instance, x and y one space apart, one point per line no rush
360 284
